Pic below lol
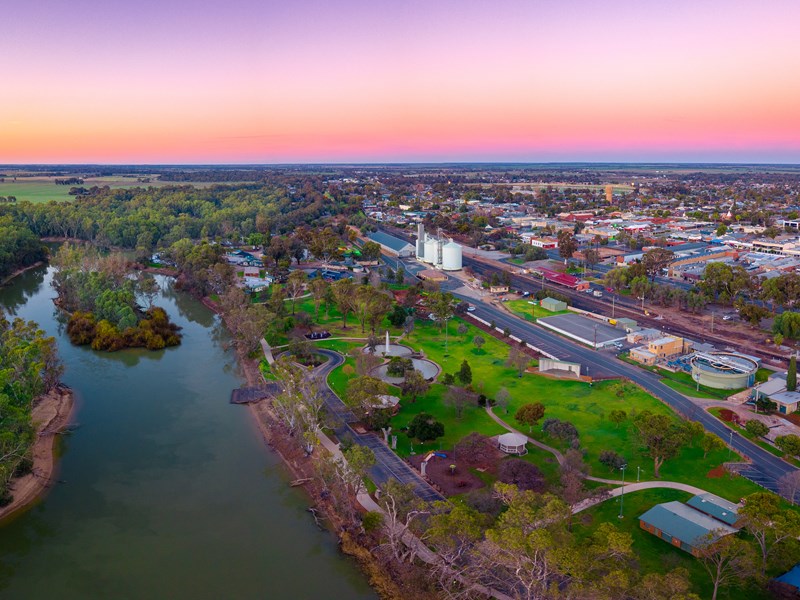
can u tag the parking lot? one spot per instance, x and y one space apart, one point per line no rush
583 329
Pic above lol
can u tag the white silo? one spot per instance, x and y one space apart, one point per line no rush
420 242
431 250
451 256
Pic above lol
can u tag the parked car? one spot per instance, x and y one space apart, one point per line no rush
470 308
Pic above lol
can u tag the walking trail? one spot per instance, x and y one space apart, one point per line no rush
618 491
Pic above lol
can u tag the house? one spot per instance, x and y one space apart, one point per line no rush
498 289
683 526
775 390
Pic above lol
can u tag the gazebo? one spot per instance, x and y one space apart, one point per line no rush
513 443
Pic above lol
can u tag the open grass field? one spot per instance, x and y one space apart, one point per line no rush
44 189
530 312
654 554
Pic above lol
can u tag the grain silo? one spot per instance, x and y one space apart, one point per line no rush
451 256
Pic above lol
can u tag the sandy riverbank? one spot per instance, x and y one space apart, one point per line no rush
51 414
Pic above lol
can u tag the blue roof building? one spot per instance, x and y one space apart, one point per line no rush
683 526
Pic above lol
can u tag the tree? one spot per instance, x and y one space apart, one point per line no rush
363 395
611 459
397 316
530 414
791 374
424 428
790 444
518 359
727 559
566 245
345 297
319 288
656 260
414 385
789 485
756 428
617 417
478 341
459 398
462 329
441 305
768 523
295 286
752 313
661 435
710 442
370 251
616 279
521 473
787 324
722 229
777 339
465 373
501 399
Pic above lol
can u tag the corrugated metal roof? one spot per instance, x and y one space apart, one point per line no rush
683 522
717 507
391 242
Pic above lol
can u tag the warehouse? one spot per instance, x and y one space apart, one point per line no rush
583 329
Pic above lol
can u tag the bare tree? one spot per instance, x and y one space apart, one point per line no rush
789 486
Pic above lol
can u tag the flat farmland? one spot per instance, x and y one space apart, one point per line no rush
44 189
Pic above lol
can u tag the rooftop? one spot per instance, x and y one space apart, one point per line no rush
717 507
678 520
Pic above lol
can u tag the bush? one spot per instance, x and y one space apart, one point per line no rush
372 521
756 428
525 475
482 400
425 428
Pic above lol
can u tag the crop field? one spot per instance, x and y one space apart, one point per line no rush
44 189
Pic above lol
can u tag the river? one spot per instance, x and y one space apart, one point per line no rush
165 489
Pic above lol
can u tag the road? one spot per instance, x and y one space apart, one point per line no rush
387 464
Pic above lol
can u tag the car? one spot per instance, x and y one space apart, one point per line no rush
727 318
525 294
470 308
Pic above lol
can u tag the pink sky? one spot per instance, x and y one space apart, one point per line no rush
180 81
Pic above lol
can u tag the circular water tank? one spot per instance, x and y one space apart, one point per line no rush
431 251
451 256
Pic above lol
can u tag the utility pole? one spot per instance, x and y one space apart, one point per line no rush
712 321
595 336
613 304
730 445
622 493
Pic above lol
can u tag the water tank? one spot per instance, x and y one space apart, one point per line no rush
431 250
451 256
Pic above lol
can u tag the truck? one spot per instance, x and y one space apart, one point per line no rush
597 294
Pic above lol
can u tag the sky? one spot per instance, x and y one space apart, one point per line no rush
268 81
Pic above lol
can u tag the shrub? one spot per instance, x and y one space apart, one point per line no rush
425 428
398 366
372 521
756 428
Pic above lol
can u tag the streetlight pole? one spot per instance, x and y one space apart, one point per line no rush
595 336
613 304
638 470
622 493
730 445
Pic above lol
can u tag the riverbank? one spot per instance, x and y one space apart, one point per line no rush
51 414
19 272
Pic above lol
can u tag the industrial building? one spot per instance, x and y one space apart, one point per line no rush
659 349
436 251
583 329
392 244
723 370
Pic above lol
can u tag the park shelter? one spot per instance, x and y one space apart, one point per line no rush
513 443
553 305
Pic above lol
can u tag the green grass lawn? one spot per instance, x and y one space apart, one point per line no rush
654 554
530 312
763 374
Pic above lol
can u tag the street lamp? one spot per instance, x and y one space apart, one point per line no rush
622 493
730 445
638 470
595 336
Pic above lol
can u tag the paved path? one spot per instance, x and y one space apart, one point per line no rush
635 487
387 464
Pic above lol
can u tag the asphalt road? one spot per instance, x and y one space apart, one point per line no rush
387 464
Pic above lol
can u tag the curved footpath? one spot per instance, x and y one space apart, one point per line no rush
623 488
